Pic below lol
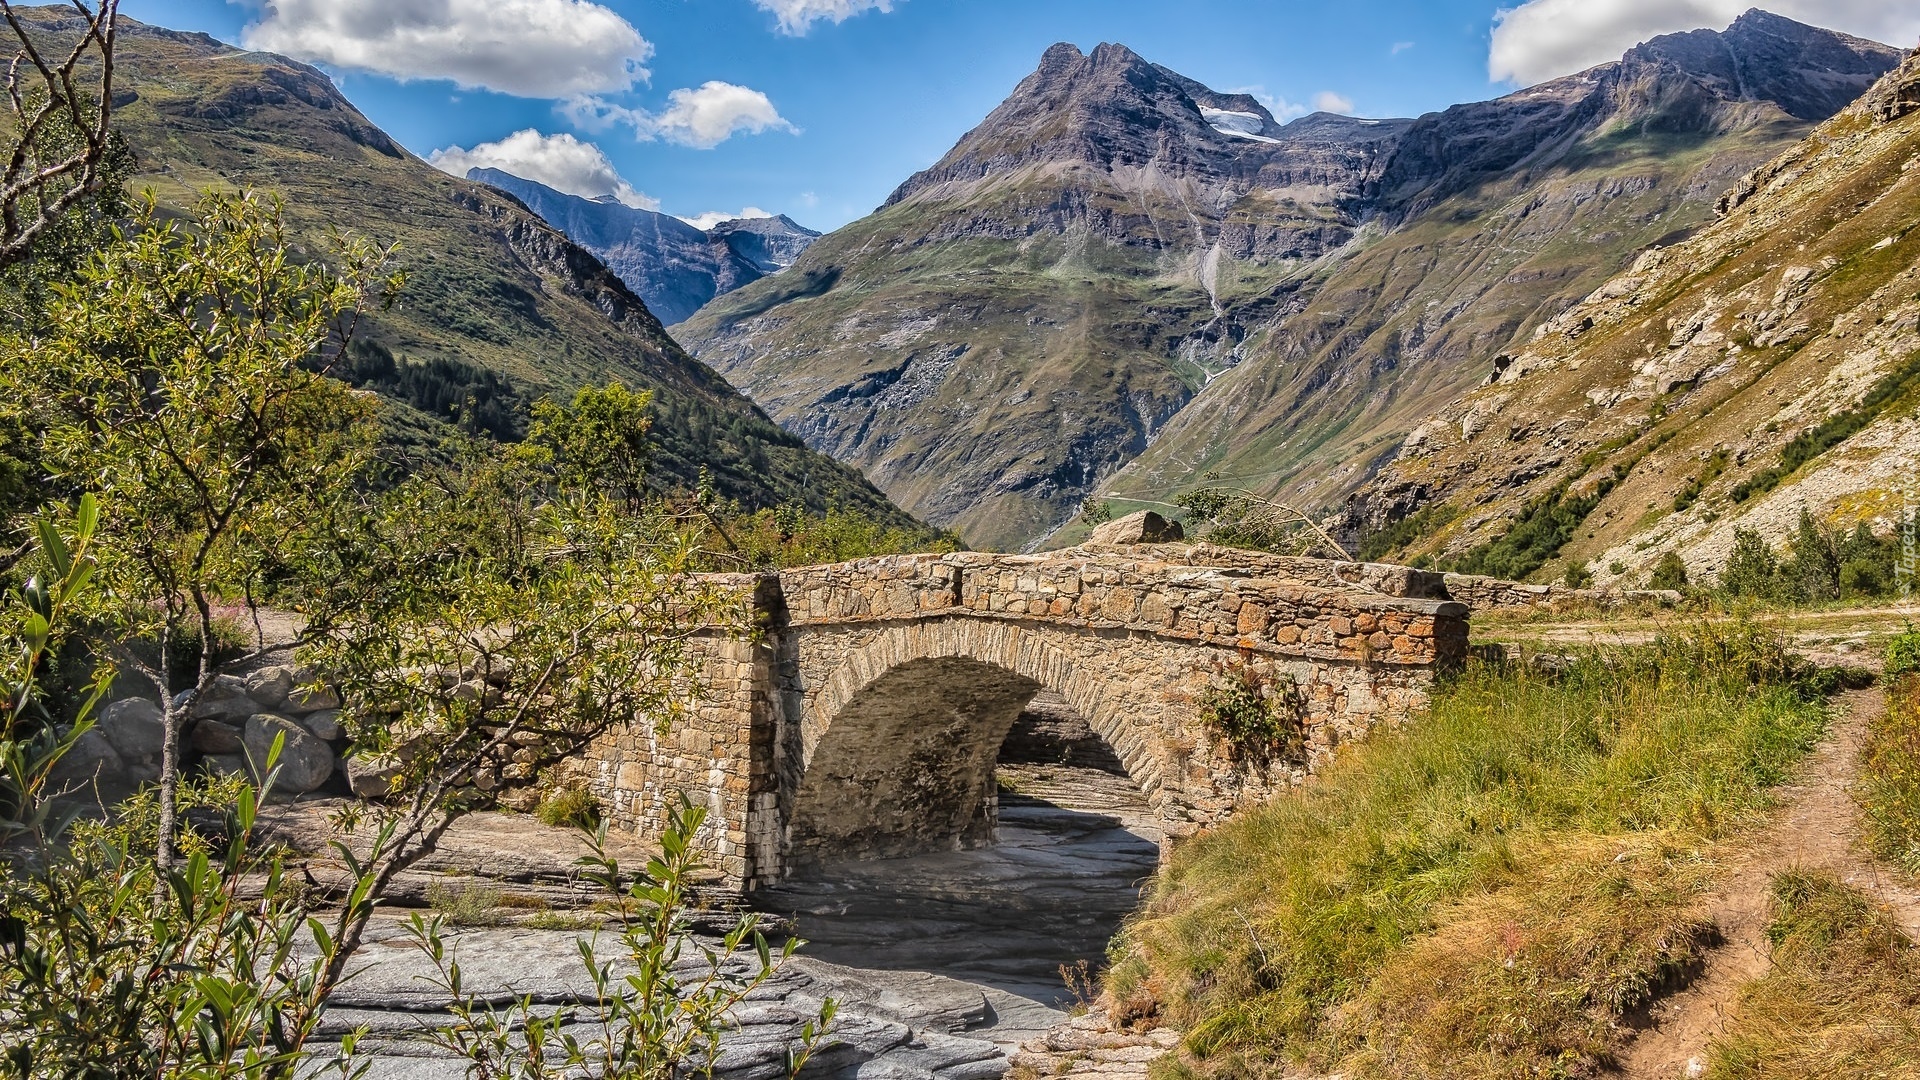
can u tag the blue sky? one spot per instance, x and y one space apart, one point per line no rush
818 108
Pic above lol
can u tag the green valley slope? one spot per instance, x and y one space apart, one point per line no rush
1768 364
498 305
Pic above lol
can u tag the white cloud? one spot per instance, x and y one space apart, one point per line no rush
1282 109
1544 39
1399 47
529 48
714 217
704 117
1285 111
561 162
708 116
1328 101
797 16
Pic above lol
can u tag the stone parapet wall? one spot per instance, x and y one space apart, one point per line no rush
1384 578
1480 593
1286 609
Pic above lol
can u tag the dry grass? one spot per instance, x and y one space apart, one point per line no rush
1889 792
1489 892
1842 1000
1533 978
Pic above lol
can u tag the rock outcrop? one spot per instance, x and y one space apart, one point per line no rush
1143 527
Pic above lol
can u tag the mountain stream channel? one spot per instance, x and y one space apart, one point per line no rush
941 964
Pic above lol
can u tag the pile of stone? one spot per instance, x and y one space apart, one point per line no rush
1092 1045
230 729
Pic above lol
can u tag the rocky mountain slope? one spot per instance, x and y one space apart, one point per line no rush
1123 282
499 308
1492 217
675 267
1766 364
1020 319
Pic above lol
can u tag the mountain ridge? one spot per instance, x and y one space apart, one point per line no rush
1098 293
497 300
1766 365
675 266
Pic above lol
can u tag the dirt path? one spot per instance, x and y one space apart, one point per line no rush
1815 828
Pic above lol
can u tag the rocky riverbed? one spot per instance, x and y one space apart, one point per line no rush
943 964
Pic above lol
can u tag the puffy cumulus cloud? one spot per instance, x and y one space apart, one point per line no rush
1328 101
796 16
715 112
711 218
561 162
1545 39
528 48
702 117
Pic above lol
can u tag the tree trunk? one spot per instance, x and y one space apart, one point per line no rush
169 783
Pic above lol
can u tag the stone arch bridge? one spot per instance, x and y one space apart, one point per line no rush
865 720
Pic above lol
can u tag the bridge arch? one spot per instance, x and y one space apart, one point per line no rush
898 744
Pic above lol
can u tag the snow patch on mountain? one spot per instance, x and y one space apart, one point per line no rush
1240 125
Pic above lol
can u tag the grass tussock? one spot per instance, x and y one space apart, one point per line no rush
571 806
1487 892
1889 791
1842 999
464 902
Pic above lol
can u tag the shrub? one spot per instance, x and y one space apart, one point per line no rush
465 902
665 1013
1542 528
1751 568
572 805
1261 716
1903 654
1421 523
1669 573
1822 564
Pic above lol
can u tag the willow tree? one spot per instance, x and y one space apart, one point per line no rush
180 376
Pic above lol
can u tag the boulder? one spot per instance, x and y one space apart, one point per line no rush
1144 527
370 777
91 758
224 764
324 724
136 727
270 686
226 698
305 762
216 737
305 699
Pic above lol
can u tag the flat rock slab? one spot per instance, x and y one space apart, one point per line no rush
942 964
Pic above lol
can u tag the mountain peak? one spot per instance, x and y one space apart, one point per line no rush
1062 54
1808 72
1111 109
